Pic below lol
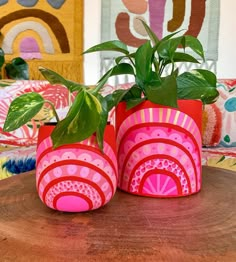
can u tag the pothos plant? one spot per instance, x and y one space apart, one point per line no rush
87 114
89 110
154 66
16 69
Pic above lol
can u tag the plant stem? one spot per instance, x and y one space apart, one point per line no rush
132 62
173 67
96 89
53 109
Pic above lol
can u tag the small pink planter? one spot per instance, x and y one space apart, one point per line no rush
76 177
159 149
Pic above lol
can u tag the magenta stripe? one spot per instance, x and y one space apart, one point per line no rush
157 11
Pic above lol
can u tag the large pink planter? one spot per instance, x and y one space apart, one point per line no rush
76 177
159 149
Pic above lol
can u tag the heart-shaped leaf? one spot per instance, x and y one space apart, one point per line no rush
81 121
198 84
22 110
164 93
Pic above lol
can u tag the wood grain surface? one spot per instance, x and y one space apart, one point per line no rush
201 227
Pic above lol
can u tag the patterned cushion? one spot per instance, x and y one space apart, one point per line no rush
221 157
27 134
219 119
227 105
212 124
16 160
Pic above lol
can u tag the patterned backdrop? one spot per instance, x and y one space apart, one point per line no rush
199 18
46 33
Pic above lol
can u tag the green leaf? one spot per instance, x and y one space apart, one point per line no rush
2 57
167 48
153 37
134 102
81 121
209 76
120 69
160 46
195 45
22 110
135 92
221 159
181 57
114 98
103 121
198 84
143 63
102 81
170 36
164 93
17 69
119 58
114 45
128 56
54 78
132 97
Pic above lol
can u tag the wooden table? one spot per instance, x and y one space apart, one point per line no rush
201 227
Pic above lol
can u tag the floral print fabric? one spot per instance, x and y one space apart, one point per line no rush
227 106
219 119
27 134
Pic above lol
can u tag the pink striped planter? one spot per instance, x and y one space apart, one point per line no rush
76 177
159 149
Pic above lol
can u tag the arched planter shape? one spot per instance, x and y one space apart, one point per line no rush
76 177
159 149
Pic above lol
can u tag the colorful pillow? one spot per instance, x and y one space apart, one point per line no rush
227 105
16 160
219 119
27 134
228 83
221 157
212 125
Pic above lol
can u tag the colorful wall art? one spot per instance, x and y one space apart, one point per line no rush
44 33
199 18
